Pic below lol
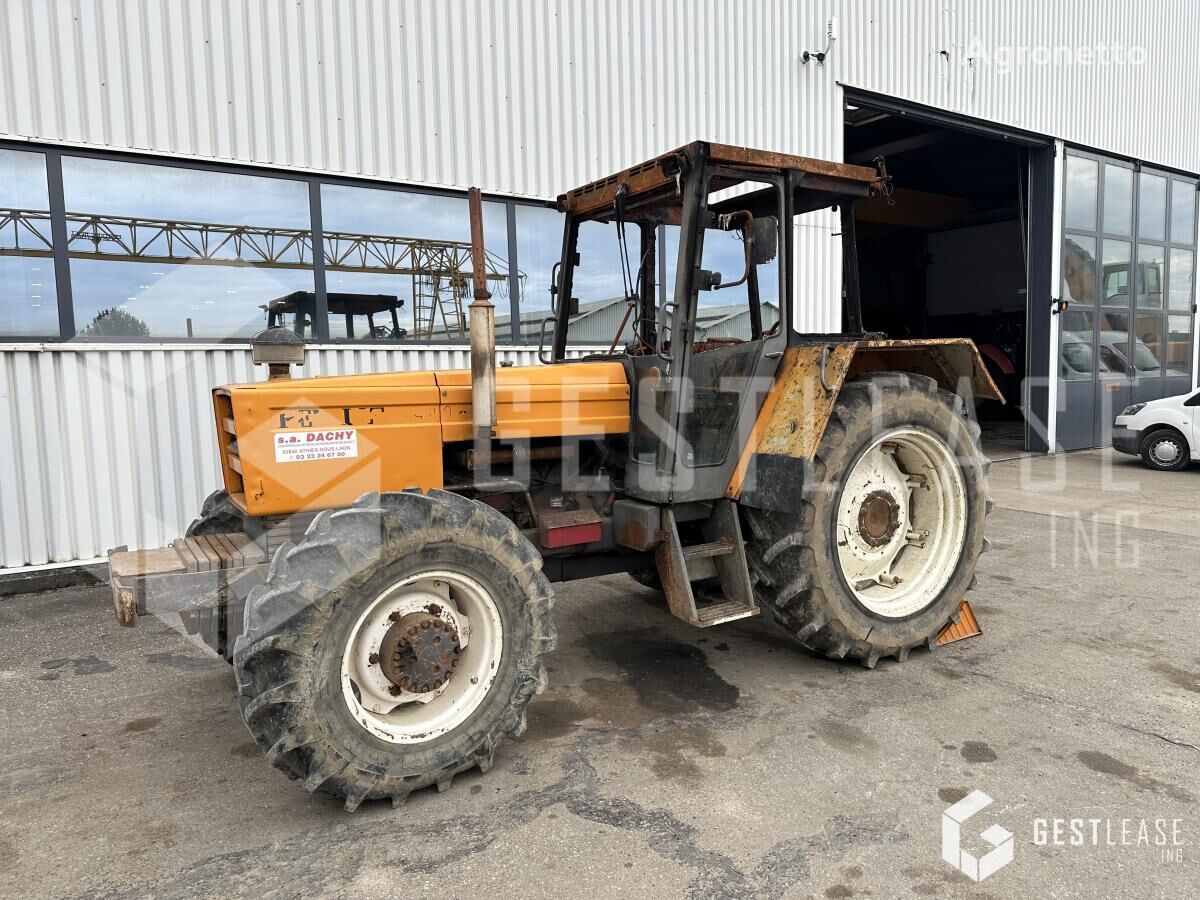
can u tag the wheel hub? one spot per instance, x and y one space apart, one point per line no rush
419 653
902 522
878 518
1166 452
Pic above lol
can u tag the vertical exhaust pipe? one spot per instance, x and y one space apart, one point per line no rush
483 341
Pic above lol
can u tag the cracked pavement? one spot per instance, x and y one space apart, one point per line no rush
663 760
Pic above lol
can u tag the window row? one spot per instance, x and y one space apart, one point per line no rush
1129 270
158 251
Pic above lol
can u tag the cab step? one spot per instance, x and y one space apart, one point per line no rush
702 551
719 562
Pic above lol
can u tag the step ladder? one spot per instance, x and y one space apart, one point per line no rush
716 570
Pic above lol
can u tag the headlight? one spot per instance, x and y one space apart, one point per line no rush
1134 410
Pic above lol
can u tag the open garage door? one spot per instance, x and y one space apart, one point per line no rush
961 249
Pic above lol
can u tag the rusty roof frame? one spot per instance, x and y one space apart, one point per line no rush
648 180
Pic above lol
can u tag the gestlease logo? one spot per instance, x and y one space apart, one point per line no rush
1000 838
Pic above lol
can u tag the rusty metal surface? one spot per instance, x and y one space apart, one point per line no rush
659 173
796 410
768 159
794 415
954 362
636 524
655 174
419 652
878 518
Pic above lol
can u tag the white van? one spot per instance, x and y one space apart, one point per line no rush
1164 433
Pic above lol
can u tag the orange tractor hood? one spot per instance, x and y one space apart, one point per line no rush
290 445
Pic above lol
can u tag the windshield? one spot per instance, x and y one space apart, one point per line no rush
625 268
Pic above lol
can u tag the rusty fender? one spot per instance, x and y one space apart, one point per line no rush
784 440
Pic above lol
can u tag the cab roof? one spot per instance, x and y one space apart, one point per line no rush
656 180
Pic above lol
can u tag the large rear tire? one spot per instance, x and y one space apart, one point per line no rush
395 646
890 524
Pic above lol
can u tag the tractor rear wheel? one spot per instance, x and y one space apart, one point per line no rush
395 645
890 525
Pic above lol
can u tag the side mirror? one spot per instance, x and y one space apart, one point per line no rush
764 240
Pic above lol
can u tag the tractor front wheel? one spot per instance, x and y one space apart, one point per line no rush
395 645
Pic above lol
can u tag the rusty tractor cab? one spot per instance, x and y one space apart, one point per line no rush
378 564
297 311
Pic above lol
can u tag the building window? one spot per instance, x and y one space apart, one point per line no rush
162 251
28 292
1138 325
539 248
408 254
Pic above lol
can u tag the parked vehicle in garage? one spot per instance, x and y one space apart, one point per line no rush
1164 433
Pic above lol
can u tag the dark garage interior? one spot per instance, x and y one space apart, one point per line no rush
947 255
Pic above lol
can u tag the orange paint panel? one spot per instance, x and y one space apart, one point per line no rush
320 443
543 401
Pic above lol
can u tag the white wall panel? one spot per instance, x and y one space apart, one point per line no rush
116 445
531 97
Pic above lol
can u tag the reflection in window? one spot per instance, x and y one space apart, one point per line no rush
1079 269
28 295
1183 211
1075 346
539 246
1179 345
1118 199
1181 279
1116 272
1081 193
415 248
1147 342
1152 207
1150 276
163 251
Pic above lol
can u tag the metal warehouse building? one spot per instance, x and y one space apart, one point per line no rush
170 170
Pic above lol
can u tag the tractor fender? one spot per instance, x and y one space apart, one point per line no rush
795 412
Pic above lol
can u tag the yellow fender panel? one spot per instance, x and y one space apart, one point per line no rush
796 410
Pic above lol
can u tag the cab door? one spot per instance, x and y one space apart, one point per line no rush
727 332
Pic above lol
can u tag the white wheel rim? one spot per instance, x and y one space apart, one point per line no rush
1165 452
400 716
902 522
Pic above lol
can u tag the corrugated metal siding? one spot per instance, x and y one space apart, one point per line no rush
897 49
518 97
529 98
112 446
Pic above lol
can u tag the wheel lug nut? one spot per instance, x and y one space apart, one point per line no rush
373 658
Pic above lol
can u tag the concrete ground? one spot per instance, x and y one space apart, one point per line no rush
663 760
